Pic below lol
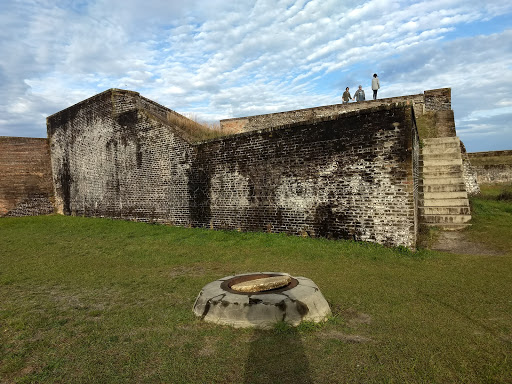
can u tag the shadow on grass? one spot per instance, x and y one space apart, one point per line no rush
277 357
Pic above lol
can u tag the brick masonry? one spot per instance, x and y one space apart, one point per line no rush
343 171
25 184
434 100
347 176
469 173
493 167
251 123
112 158
343 176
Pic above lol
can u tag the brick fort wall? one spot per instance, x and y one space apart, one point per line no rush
347 176
25 184
344 176
493 167
113 159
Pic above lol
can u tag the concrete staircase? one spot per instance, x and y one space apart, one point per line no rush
443 200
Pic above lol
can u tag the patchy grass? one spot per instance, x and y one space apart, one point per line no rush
492 217
489 160
195 130
96 300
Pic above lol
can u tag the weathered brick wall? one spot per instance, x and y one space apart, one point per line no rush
347 176
494 174
251 123
493 167
435 103
469 173
112 159
25 177
438 99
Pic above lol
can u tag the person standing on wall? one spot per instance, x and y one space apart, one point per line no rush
346 96
359 95
375 86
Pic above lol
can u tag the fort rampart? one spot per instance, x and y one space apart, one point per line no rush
343 176
347 176
493 167
342 171
435 100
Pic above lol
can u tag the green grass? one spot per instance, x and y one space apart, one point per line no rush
95 300
490 160
492 217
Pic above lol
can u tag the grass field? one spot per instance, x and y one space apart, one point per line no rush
99 301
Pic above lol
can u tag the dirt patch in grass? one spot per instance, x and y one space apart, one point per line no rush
355 318
336 335
456 242
209 347
350 316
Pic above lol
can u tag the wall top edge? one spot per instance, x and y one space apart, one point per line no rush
22 138
98 95
388 99
503 152
341 116
438 90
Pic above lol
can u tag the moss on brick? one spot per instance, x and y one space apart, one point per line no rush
426 124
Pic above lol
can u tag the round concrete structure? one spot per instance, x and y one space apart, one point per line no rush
300 299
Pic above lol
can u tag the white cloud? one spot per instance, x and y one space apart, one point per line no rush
221 58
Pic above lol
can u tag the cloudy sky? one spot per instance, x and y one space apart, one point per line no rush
216 59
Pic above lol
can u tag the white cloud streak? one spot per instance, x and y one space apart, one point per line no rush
220 59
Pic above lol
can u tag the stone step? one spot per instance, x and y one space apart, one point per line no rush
446 219
441 168
461 187
431 172
440 162
441 181
442 148
448 227
440 175
441 156
441 140
445 195
445 211
443 203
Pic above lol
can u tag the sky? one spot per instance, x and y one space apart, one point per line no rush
218 59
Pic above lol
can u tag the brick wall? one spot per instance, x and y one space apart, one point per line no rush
438 99
434 103
348 176
113 159
345 176
251 123
25 177
469 173
493 167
